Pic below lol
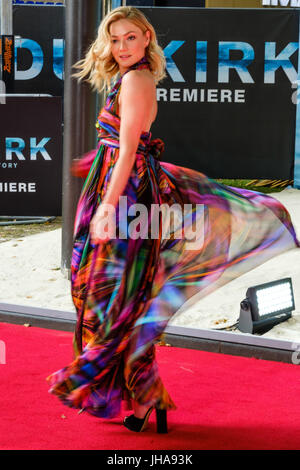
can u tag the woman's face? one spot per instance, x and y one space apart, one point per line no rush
128 43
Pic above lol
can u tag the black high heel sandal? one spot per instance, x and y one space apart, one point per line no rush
138 424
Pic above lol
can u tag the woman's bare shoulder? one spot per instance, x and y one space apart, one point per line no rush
139 89
138 80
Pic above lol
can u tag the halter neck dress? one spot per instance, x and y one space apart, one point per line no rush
127 289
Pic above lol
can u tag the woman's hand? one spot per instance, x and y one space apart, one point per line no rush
103 224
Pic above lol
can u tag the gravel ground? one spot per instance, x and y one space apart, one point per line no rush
10 232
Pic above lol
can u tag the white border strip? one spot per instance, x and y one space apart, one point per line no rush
37 312
227 336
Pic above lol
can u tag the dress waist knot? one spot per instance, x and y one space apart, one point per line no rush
154 147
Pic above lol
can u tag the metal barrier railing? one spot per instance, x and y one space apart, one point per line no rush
24 220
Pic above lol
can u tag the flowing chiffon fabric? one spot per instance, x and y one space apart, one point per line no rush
126 290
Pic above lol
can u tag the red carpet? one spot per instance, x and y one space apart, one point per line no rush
224 402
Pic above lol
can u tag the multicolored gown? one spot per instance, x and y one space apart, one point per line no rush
126 290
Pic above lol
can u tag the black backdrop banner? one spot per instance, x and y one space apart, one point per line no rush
31 140
39 44
31 156
226 106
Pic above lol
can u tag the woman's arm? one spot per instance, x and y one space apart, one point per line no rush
136 105
136 101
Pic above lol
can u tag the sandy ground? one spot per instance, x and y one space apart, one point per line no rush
30 275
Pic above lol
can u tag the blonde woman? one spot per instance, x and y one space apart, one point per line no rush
127 283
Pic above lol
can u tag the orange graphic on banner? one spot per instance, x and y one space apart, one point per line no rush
7 55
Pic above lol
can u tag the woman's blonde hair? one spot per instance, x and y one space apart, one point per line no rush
99 64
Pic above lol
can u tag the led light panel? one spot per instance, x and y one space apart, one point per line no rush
274 299
266 305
